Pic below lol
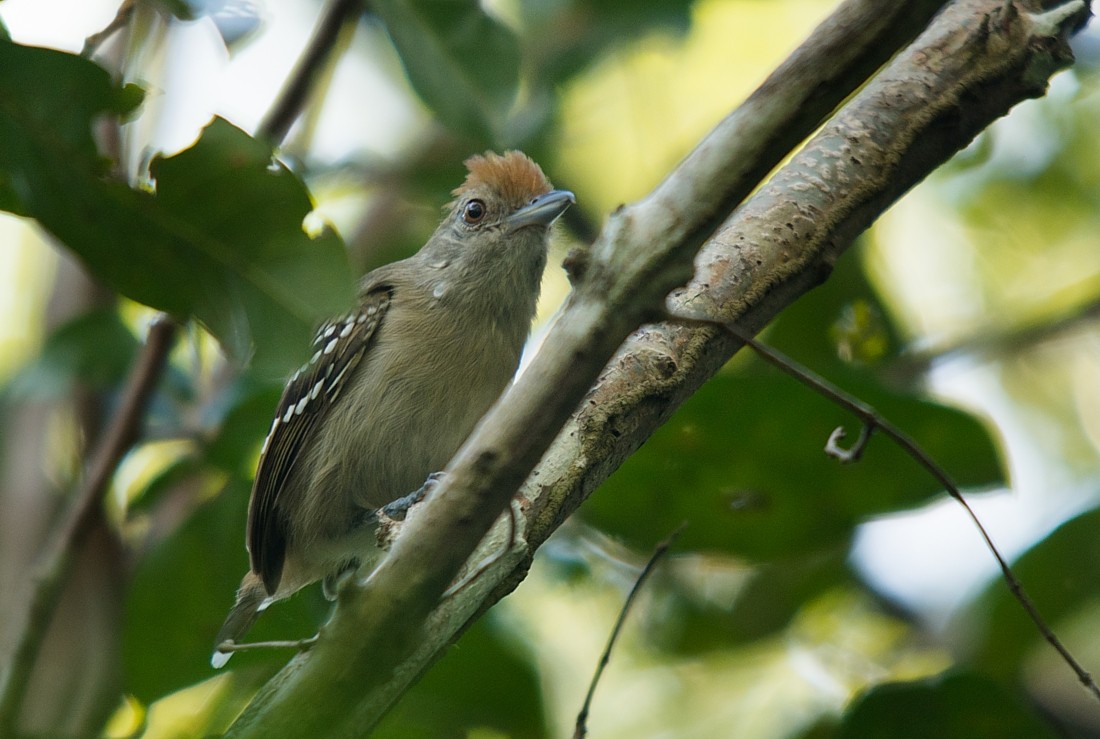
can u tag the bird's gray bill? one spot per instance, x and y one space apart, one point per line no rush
543 210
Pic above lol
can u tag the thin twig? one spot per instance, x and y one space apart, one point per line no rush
293 96
872 420
122 17
52 570
659 551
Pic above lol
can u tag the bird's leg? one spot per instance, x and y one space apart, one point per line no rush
398 509
390 517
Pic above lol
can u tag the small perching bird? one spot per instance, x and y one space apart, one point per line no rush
396 386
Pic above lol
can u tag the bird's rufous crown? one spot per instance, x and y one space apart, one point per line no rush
511 176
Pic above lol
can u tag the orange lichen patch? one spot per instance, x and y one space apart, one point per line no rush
511 176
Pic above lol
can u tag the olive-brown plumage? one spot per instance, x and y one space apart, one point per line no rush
397 385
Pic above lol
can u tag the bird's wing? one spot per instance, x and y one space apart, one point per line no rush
340 345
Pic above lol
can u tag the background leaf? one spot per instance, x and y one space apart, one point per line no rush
95 348
570 36
741 460
172 614
462 63
266 281
954 705
48 101
484 683
223 235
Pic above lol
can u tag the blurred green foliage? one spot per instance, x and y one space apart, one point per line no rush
952 705
219 240
742 460
444 46
94 349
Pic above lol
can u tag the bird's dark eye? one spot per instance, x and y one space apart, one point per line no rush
473 212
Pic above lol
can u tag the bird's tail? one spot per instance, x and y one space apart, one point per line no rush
252 598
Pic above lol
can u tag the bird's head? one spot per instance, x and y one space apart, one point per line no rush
502 211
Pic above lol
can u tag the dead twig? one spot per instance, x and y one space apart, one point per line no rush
302 80
873 421
659 551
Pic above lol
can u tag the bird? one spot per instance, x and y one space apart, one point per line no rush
395 386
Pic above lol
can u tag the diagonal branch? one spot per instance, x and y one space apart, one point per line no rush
978 59
56 562
292 98
57 558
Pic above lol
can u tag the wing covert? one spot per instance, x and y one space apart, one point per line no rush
339 348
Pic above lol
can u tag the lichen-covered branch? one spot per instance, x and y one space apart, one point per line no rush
977 59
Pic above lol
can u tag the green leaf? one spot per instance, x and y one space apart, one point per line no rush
180 472
95 349
567 37
742 460
241 417
222 240
952 705
774 594
453 695
182 9
461 62
181 592
48 100
267 282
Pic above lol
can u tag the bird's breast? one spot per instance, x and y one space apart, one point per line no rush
413 402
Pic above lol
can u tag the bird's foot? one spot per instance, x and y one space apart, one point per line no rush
391 516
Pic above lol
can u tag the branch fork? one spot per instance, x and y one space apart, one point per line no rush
927 104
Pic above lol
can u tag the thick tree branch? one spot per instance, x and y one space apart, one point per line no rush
976 60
